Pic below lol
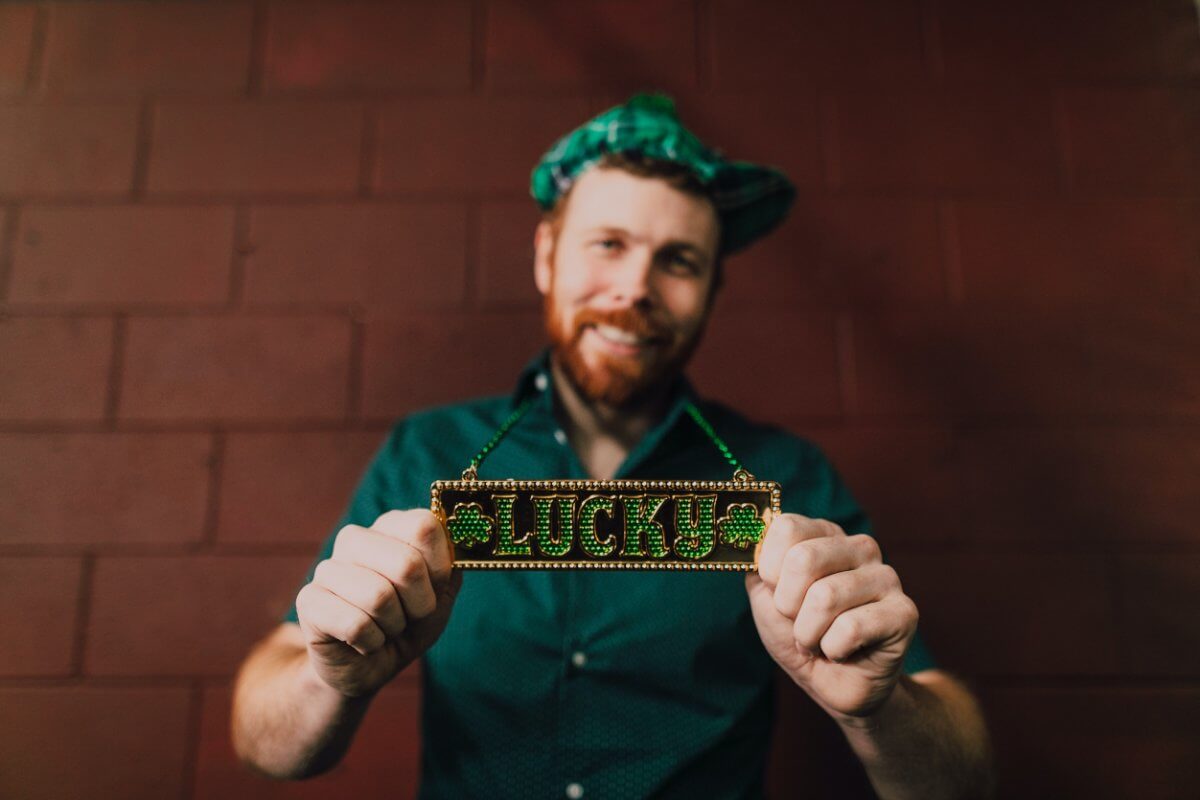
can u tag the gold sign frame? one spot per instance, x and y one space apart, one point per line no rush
664 524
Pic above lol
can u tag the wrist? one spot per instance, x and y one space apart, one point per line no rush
900 704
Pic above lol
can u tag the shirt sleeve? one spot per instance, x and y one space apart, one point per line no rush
376 492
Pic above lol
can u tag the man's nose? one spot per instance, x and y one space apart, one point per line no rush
631 282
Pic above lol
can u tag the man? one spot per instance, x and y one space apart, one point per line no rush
611 683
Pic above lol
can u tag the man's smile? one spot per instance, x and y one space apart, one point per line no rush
618 340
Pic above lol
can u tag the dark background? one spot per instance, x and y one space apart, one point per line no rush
238 238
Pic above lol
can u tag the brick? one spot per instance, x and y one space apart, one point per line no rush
1123 361
1034 40
843 252
738 364
906 479
506 254
81 741
38 598
785 44
1081 486
417 361
544 44
311 478
76 149
469 143
954 139
1156 617
408 255
1103 743
1053 253
125 48
123 254
103 488
206 612
16 46
54 368
384 758
1014 615
752 125
279 146
1103 122
279 367
369 45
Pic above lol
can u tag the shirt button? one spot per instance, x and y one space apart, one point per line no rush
574 791
560 436
579 659
540 382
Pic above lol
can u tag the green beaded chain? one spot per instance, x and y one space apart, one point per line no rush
472 471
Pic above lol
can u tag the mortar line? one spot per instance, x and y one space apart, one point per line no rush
705 68
368 150
116 370
242 249
83 607
932 56
1062 136
212 505
952 272
257 66
35 67
472 251
827 140
478 46
354 371
142 149
847 375
8 247
191 753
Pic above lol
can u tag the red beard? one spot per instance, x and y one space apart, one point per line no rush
615 381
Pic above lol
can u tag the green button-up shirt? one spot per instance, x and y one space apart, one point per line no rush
622 684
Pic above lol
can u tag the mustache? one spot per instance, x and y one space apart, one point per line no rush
626 319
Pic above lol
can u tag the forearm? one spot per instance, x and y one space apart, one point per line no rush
928 741
287 723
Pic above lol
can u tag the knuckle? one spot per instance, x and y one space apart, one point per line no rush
867 546
321 573
381 596
390 521
851 629
828 528
347 538
304 600
824 596
798 561
349 531
787 525
358 631
409 567
889 576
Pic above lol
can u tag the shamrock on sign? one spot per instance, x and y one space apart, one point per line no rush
468 525
741 526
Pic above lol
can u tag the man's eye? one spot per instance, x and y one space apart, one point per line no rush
683 263
610 245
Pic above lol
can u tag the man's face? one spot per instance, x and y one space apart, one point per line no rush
627 282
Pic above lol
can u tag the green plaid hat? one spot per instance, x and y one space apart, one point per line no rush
750 199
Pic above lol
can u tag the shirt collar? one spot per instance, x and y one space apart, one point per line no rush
536 378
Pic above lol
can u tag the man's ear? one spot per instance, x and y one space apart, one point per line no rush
543 252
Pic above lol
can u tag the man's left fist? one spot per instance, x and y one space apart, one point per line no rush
831 613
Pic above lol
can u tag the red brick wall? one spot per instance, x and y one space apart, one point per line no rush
238 238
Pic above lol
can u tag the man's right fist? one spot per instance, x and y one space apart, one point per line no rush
379 602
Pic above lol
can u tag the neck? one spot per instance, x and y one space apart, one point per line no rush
601 434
